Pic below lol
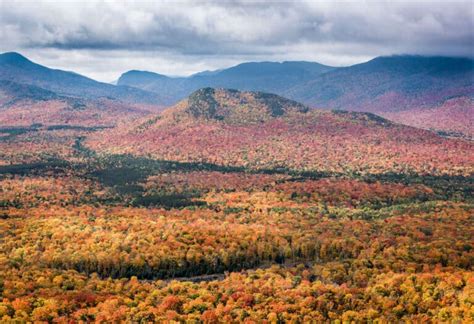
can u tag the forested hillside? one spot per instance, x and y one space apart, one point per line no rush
258 131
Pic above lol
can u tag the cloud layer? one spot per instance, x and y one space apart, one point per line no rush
181 37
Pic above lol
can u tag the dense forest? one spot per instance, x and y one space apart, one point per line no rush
92 236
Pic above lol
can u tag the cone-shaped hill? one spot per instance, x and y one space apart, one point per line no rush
235 106
259 130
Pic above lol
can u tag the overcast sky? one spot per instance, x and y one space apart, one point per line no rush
102 39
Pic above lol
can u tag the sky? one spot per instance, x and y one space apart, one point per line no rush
103 39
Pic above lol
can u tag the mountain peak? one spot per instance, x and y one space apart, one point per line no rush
202 103
239 106
13 58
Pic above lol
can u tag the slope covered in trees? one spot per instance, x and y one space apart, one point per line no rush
258 131
235 207
341 249
454 117
25 105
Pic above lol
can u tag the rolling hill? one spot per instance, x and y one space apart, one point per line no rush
25 105
261 131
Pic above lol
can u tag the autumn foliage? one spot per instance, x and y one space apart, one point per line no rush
289 216
295 139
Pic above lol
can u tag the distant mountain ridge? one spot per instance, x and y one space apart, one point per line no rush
393 83
16 68
383 84
271 77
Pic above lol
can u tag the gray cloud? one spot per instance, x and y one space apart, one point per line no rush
155 35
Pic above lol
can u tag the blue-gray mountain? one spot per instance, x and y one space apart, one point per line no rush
383 84
18 69
262 76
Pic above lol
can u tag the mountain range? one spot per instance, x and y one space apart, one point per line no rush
395 83
429 92
435 93
270 77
